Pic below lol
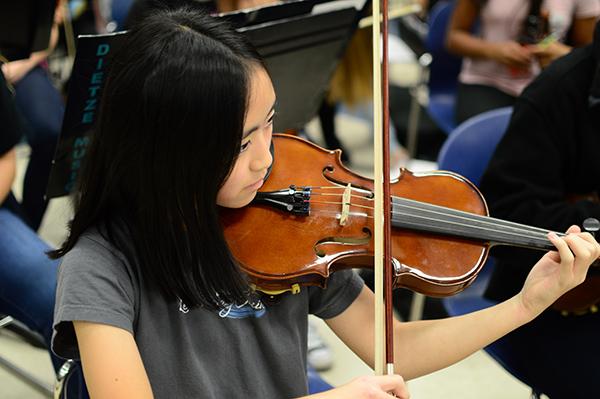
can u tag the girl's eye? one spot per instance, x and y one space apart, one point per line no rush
244 146
269 123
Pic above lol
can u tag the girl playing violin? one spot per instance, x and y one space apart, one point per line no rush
149 296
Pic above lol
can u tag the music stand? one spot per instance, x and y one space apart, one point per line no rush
300 51
301 54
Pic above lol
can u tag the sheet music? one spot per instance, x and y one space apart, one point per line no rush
338 5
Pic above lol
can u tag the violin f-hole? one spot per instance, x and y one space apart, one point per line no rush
353 241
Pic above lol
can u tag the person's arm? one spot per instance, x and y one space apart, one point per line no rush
426 346
16 70
550 52
519 186
582 34
8 167
461 41
112 364
232 5
582 31
367 387
113 369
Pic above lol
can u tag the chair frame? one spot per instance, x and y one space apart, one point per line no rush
25 376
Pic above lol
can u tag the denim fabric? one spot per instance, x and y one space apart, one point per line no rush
27 275
41 108
28 285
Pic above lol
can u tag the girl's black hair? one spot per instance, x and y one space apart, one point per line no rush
168 135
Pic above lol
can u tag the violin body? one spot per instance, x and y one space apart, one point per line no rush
282 251
581 299
278 249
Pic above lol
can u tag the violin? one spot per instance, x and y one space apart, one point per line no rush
313 216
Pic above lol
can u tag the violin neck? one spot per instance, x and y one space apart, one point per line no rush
419 216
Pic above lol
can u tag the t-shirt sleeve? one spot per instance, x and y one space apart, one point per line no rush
587 8
94 285
342 289
10 128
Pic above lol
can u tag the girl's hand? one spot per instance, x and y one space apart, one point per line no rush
549 52
559 271
232 5
369 387
14 71
511 54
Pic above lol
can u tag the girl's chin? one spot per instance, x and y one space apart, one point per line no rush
239 202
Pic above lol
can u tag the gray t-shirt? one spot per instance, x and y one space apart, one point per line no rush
256 350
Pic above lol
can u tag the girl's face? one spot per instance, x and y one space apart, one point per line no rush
255 158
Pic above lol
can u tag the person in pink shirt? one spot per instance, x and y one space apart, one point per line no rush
514 39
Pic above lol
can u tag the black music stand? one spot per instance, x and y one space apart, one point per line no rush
301 52
25 27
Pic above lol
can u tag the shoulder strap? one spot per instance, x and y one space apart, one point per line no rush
535 7
594 98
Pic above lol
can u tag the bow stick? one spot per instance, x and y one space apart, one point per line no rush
384 337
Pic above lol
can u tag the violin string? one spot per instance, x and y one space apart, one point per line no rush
487 224
418 226
362 197
450 211
414 221
340 203
424 205
324 202
337 214
411 219
343 188
453 229
339 195
340 187
466 216
442 210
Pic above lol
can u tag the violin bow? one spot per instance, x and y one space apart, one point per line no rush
384 337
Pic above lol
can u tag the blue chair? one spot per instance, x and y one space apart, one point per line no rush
467 151
315 383
439 73
443 69
119 11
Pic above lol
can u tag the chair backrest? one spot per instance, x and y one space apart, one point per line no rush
468 149
316 383
445 67
119 11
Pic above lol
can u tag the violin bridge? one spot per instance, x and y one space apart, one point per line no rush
346 197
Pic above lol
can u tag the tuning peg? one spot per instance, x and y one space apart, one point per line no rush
591 225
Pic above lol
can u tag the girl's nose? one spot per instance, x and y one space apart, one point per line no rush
262 158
